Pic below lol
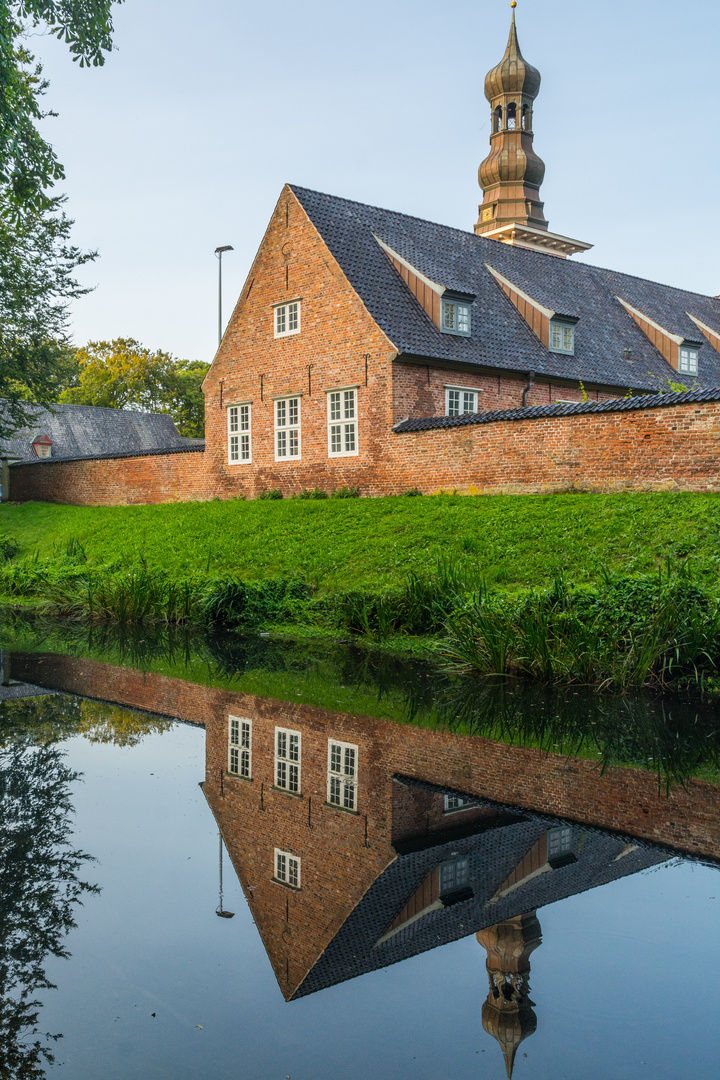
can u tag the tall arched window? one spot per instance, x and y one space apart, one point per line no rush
497 120
526 117
512 116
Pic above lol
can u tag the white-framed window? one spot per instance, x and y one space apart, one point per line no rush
287 428
457 802
688 361
455 317
559 842
342 774
239 434
287 319
342 423
459 401
562 338
240 747
287 760
454 875
287 868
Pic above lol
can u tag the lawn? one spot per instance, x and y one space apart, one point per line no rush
516 541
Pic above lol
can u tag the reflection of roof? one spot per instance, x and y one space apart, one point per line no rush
500 337
493 851
22 690
85 431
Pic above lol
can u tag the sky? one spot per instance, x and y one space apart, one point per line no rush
183 140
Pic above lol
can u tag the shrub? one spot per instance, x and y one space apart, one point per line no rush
345 493
412 492
316 493
232 604
8 548
272 493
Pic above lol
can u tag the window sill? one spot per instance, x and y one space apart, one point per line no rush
345 453
284 791
237 776
342 809
285 885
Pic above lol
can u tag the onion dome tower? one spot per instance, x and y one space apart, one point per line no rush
507 1014
511 174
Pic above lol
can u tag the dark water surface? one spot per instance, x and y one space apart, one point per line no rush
475 906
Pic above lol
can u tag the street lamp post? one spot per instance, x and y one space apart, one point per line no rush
219 253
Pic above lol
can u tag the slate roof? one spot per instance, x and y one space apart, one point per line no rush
536 412
85 431
500 337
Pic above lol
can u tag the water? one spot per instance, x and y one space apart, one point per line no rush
591 899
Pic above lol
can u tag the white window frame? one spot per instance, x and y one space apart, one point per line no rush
342 412
461 396
455 804
566 337
455 317
286 318
286 869
342 777
688 360
240 747
286 429
288 768
458 870
239 426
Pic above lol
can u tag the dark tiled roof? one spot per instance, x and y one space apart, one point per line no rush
538 412
500 337
81 432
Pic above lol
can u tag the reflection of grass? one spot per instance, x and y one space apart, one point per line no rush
373 543
674 740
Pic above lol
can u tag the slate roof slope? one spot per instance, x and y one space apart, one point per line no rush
86 431
500 337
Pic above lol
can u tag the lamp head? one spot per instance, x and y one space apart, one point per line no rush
227 247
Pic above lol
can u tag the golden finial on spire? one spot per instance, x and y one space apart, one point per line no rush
513 4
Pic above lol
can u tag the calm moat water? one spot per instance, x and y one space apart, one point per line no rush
418 877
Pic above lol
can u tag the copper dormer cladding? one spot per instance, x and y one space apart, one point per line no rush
512 173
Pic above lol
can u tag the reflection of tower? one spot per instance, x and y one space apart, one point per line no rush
507 1014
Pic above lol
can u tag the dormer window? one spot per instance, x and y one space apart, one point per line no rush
455 318
688 361
562 337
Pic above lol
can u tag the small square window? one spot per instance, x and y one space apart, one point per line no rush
342 423
455 317
688 362
562 338
287 868
287 319
459 402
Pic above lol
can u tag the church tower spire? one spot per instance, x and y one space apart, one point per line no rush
511 174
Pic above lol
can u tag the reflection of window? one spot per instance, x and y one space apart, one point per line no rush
458 402
287 760
342 775
240 747
287 428
455 317
287 319
342 423
562 338
454 875
688 361
287 868
560 846
457 802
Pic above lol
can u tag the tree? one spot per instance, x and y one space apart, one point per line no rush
122 374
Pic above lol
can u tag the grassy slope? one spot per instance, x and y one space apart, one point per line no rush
515 540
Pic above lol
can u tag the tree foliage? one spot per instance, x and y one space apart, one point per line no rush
122 374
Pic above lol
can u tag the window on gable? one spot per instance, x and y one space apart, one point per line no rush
287 868
342 775
287 428
342 423
457 802
688 361
287 760
238 422
455 317
560 847
454 876
562 337
459 402
287 319
240 747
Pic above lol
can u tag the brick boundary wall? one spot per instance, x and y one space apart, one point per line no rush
670 442
625 800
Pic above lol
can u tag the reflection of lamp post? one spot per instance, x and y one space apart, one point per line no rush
219 253
219 909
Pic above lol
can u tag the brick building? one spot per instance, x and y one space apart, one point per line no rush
375 350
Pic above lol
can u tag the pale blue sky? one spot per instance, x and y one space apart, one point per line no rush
183 140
